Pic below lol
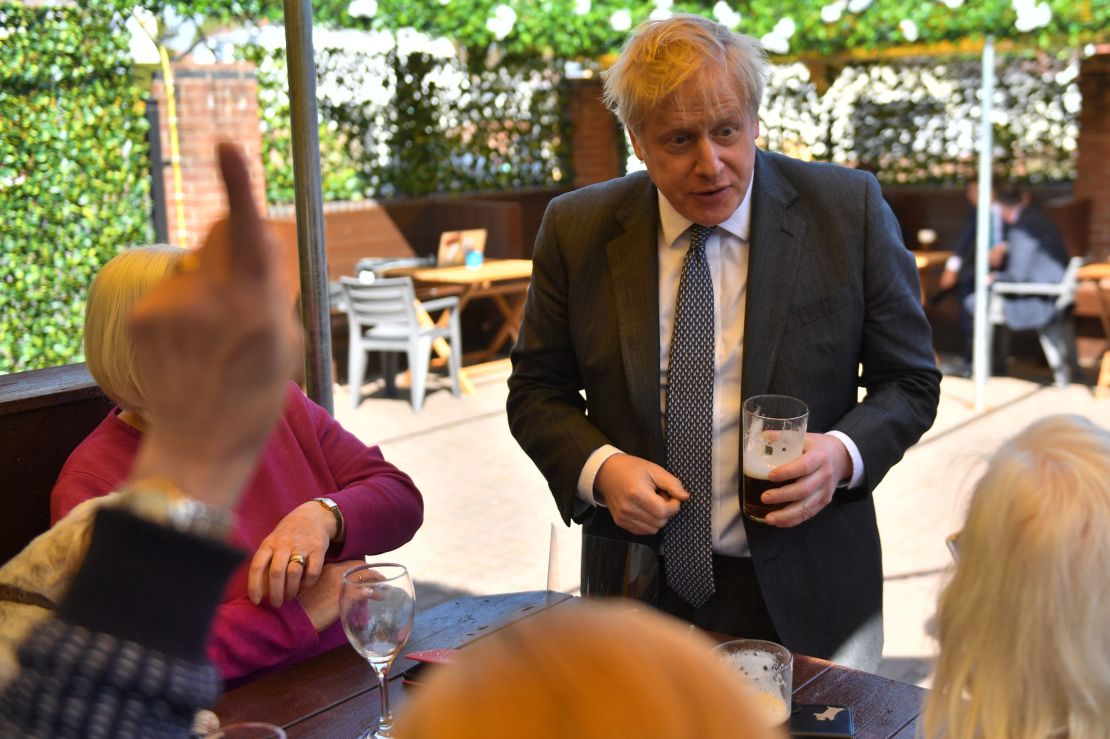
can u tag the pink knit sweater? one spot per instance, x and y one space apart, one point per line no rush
308 455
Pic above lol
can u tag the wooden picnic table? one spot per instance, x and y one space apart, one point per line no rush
1099 274
928 262
335 693
504 281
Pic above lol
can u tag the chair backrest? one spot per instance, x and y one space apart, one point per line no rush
385 301
1070 281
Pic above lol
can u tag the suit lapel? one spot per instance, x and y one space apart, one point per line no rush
775 247
634 266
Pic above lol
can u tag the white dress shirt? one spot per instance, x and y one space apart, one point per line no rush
727 254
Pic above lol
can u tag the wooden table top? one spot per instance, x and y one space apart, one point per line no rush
1094 271
491 270
930 259
335 694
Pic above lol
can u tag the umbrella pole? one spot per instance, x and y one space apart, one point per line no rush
315 311
981 350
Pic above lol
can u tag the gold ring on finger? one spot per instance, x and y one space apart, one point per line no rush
298 559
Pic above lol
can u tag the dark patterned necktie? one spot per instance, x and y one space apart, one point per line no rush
688 537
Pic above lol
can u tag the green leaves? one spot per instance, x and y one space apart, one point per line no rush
73 174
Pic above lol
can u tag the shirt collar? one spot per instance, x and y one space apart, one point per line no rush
674 224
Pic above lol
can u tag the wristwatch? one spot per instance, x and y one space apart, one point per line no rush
340 524
161 501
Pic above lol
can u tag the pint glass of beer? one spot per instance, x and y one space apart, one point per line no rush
774 434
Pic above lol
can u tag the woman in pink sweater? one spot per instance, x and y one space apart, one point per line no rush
282 606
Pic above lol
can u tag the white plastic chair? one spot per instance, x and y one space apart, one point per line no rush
384 316
1057 337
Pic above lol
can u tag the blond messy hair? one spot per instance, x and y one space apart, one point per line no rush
117 287
663 55
590 671
1024 624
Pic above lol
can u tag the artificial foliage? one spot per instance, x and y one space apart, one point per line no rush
73 174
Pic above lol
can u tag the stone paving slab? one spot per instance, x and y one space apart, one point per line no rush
490 522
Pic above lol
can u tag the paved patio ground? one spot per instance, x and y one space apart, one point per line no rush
491 526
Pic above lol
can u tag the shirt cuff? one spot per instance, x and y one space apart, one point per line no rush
953 264
589 473
857 461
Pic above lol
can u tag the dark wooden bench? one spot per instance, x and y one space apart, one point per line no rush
44 415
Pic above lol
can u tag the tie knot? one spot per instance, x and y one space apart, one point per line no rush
699 235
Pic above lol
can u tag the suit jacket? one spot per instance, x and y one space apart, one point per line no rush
830 288
1036 253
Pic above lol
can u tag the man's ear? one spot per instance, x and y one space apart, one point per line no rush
635 144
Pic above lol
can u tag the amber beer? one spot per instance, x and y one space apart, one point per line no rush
755 484
774 429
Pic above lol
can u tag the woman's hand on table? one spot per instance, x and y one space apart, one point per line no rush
275 569
321 601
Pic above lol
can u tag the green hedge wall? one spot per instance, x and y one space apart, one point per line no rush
73 173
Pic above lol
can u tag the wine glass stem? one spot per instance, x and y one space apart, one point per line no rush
385 723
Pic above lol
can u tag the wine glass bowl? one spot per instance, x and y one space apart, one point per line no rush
376 607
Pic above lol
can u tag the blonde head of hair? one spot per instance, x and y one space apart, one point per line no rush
1024 624
662 56
589 671
117 287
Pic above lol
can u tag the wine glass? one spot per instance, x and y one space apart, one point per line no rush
376 606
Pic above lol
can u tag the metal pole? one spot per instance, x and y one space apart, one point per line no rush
981 351
315 311
157 173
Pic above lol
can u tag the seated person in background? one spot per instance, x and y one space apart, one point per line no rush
590 671
1024 624
284 606
125 655
1032 252
959 271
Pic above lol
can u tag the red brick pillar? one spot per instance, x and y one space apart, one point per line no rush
597 142
1093 165
214 102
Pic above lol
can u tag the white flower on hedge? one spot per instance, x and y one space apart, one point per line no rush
662 10
363 8
621 20
953 4
1031 14
726 15
909 30
501 24
858 6
785 28
831 13
775 43
581 7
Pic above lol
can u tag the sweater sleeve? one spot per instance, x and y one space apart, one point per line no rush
125 653
247 638
380 504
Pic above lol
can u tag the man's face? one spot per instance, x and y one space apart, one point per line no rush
700 154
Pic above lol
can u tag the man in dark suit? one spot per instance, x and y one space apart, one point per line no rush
619 375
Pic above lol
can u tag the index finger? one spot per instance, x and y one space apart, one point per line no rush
247 250
666 482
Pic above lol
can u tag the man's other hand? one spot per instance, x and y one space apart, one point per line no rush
641 495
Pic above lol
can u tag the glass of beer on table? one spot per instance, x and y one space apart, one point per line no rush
769 669
774 434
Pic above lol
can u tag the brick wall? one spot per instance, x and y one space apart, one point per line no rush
215 102
1094 147
597 142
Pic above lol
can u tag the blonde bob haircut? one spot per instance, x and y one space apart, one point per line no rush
1024 624
663 55
117 287
589 671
